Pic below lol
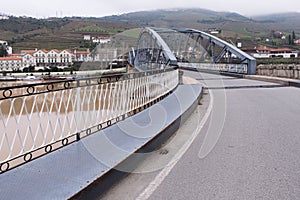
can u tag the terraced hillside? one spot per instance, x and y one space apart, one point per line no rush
66 33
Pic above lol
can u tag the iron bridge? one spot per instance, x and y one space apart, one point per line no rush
163 48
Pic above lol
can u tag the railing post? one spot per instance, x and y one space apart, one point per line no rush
180 77
77 110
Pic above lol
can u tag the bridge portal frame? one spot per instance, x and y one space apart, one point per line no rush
164 51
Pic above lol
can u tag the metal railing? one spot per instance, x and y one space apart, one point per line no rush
232 68
36 119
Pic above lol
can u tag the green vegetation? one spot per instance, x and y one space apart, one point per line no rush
134 33
91 29
58 33
104 30
278 61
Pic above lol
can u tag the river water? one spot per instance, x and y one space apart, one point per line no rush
29 122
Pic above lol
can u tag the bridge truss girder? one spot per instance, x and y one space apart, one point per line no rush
225 50
159 48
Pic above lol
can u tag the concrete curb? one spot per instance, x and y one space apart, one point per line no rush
91 164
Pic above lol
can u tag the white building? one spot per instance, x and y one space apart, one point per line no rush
28 60
86 37
82 56
101 40
65 58
10 64
54 58
265 52
41 58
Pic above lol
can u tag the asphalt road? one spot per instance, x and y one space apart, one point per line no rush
248 148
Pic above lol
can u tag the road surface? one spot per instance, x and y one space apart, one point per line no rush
243 142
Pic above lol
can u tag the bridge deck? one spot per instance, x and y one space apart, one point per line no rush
65 172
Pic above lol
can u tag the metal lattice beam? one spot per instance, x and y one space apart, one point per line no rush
226 48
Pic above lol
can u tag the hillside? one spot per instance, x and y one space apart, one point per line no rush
283 21
61 33
203 19
177 18
235 27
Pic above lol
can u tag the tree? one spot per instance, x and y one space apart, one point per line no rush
31 68
3 52
293 35
291 41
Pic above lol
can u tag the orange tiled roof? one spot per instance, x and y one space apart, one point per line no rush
264 48
9 58
82 52
55 50
67 50
31 52
15 55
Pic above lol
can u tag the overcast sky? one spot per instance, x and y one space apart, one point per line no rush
98 8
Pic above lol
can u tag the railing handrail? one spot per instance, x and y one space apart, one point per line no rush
67 83
40 122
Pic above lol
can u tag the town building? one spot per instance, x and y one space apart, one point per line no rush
41 58
265 52
101 40
297 42
82 56
28 60
10 64
65 58
87 37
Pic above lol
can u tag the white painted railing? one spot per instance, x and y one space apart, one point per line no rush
36 119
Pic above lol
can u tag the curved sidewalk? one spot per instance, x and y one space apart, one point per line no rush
84 164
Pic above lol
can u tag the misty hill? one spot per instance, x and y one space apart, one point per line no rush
60 33
235 27
177 17
284 21
203 19
280 17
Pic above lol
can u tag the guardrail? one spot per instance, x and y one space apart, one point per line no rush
36 119
231 68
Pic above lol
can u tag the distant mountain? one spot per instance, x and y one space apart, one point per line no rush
234 27
177 18
279 17
60 33
205 19
285 22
